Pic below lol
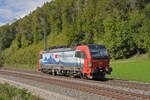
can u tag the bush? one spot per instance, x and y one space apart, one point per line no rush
8 92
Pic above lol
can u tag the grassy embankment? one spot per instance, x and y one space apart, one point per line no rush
135 69
8 92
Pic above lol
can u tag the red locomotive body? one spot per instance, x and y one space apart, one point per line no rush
88 61
94 67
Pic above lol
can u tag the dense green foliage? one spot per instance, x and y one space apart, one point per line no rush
122 25
8 92
135 69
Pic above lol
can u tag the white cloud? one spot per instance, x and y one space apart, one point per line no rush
2 24
7 14
18 9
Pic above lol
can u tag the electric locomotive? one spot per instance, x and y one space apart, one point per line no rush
87 61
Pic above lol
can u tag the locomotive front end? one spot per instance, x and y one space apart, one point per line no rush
99 63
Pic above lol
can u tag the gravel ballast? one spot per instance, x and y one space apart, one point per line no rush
48 91
96 84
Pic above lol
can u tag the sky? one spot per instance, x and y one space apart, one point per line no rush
15 9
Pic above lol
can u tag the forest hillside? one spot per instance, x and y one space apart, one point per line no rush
123 26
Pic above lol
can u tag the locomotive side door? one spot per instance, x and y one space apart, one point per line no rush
80 58
78 55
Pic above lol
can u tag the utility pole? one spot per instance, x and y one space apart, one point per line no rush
0 51
45 41
2 37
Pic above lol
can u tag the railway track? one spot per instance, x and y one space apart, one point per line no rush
88 88
111 82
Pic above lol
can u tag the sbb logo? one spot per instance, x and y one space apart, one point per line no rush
56 56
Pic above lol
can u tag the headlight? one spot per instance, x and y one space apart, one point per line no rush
89 64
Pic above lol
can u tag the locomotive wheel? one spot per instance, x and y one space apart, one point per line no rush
54 72
72 75
43 71
81 76
101 76
84 76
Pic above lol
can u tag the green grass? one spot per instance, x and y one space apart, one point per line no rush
8 92
135 69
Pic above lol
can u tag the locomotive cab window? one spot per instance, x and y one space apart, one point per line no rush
98 52
80 54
